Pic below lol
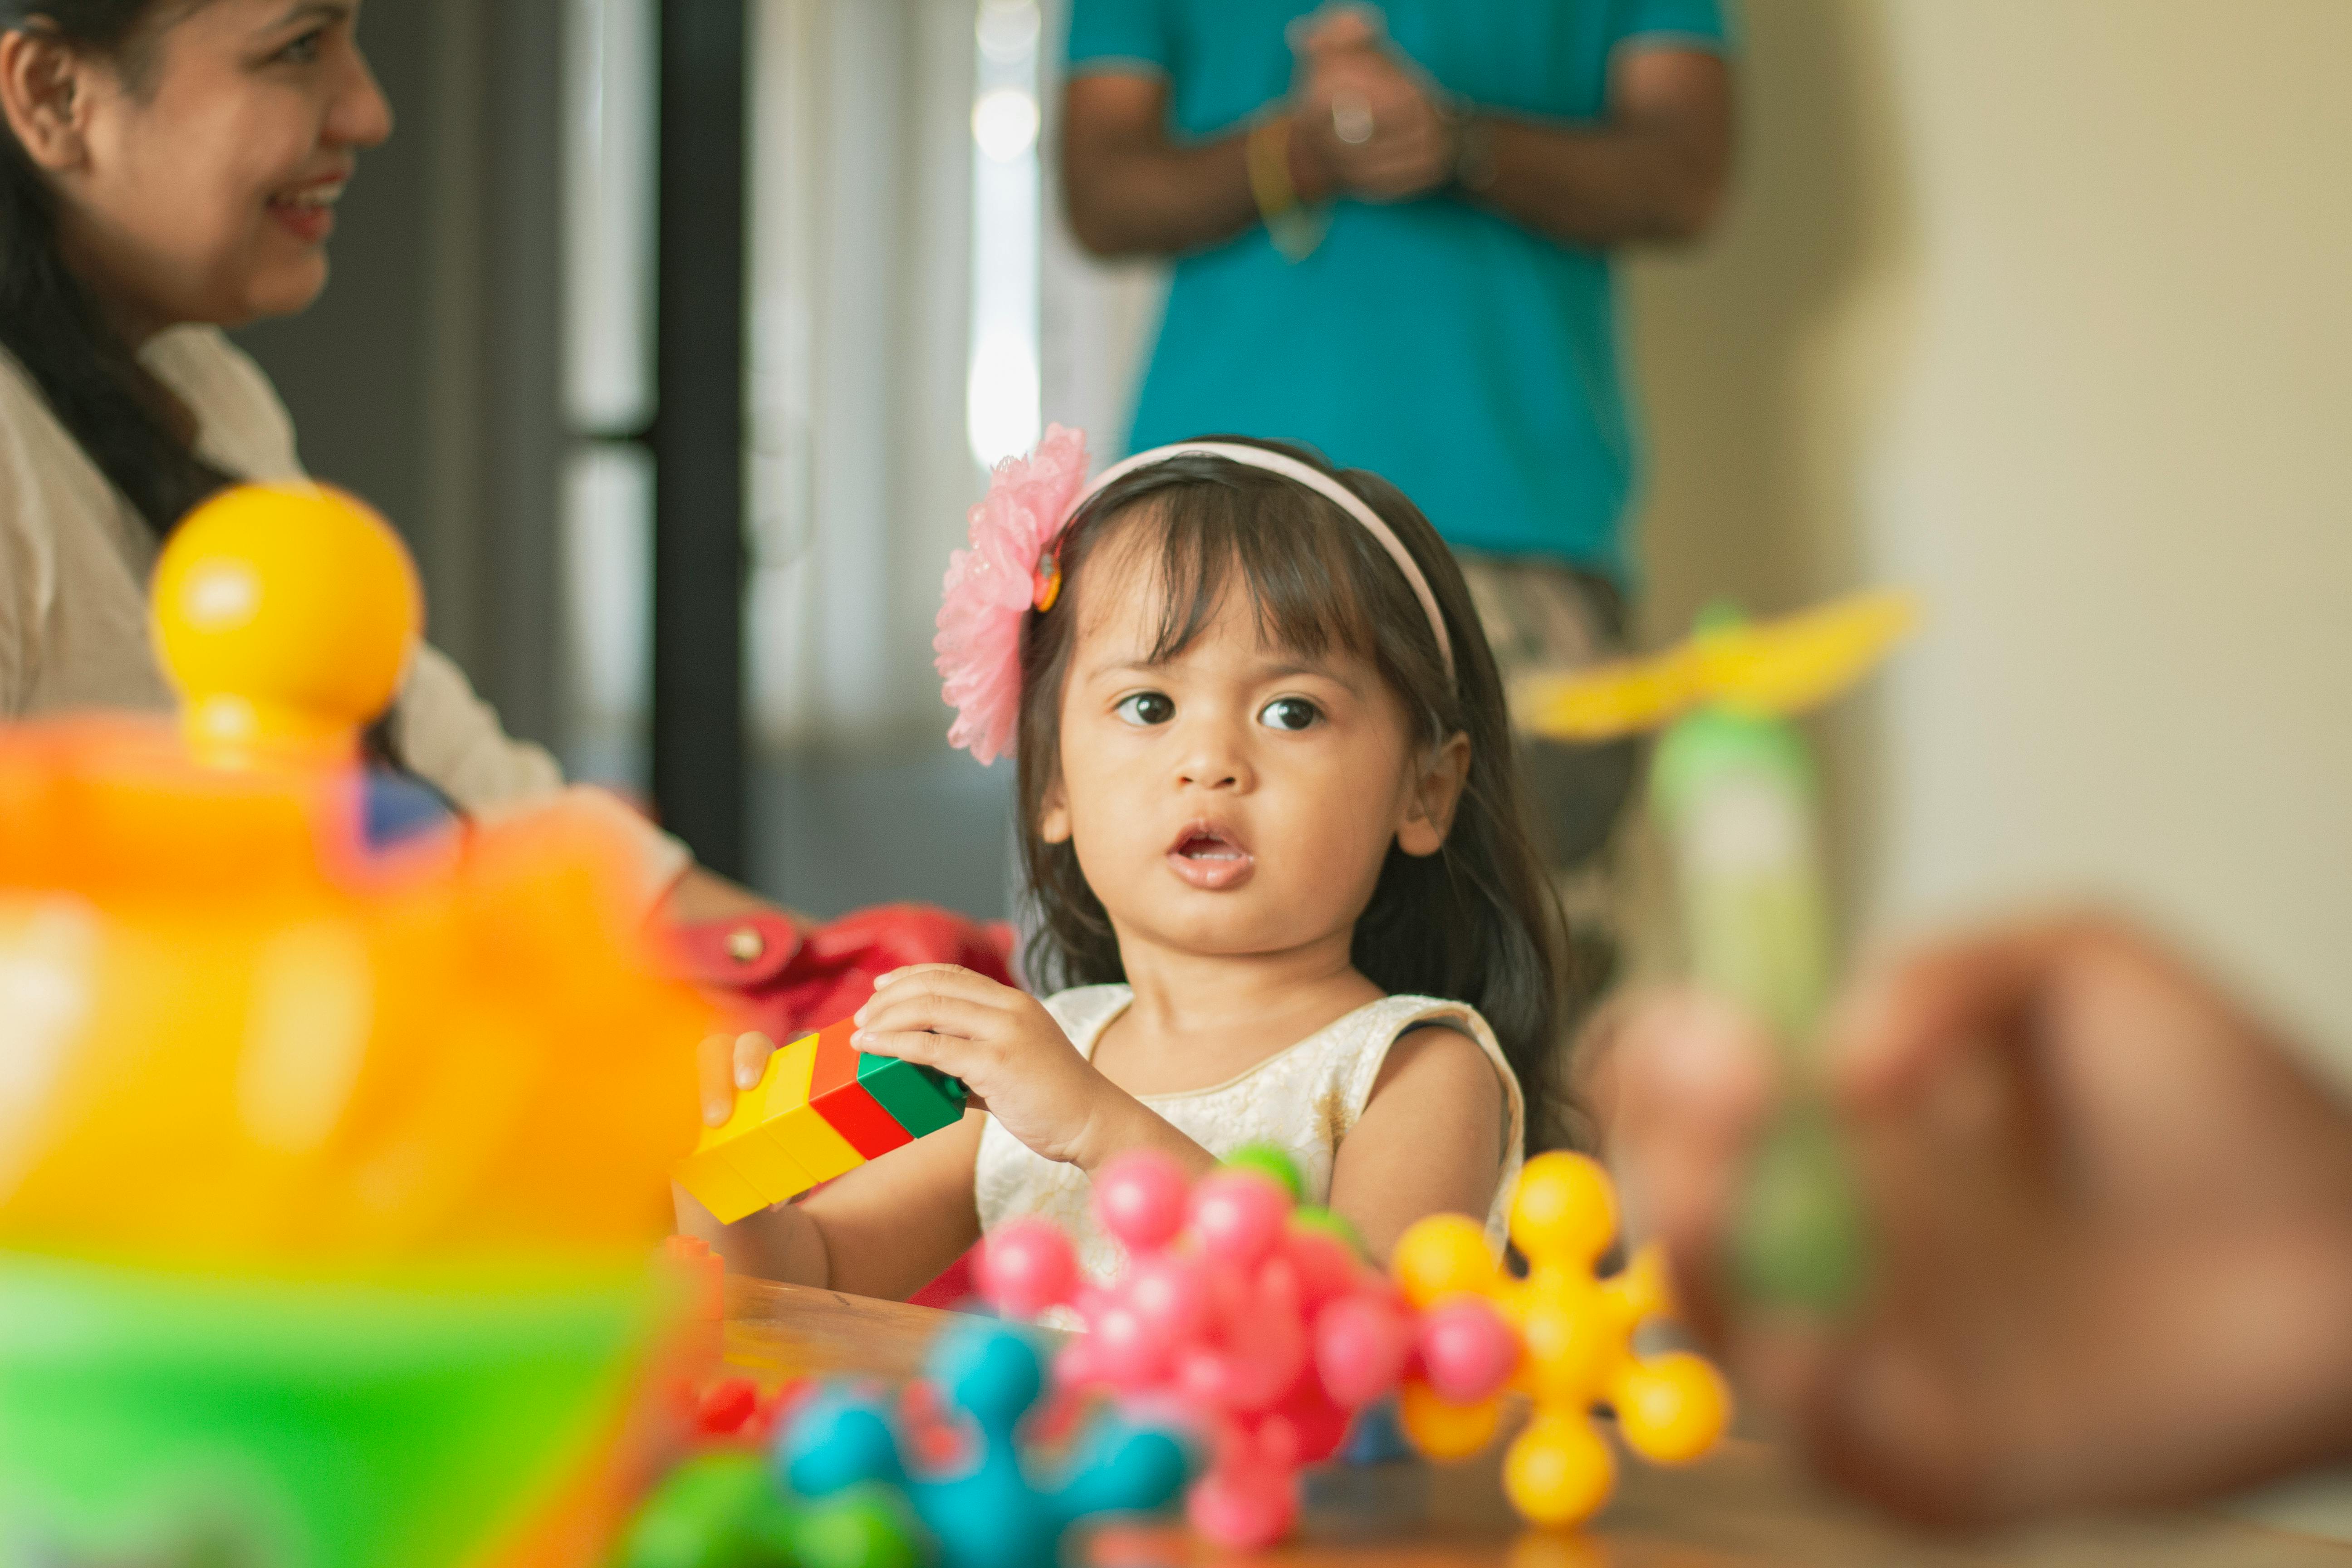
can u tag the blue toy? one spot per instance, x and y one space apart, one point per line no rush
990 1515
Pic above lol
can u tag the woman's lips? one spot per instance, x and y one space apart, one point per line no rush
309 210
1209 859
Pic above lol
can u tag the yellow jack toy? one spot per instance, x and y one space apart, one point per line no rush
1576 1333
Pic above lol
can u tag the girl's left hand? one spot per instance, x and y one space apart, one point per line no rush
1018 1066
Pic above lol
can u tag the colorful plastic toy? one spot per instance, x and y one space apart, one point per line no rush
327 1178
1733 782
1576 1334
1261 1322
987 1512
723 1509
822 1107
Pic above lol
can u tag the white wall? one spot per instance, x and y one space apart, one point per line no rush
2045 307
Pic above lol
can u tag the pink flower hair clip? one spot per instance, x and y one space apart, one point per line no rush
1013 566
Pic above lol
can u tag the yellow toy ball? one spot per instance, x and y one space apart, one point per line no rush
1441 1255
1446 1432
1560 1471
1672 1408
1566 1209
285 616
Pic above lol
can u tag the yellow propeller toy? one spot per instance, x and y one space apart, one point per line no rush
1734 784
1759 669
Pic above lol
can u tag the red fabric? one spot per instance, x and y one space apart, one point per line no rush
804 980
801 981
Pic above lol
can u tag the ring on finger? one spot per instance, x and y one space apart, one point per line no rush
1351 119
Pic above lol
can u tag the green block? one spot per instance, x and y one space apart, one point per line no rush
919 1098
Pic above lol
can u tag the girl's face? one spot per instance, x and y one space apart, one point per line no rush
198 182
1236 798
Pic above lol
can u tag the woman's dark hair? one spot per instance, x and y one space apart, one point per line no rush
1477 921
119 413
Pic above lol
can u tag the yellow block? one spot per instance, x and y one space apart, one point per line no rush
774 1147
796 1126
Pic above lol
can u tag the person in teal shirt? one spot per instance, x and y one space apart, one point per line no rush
1437 304
1392 231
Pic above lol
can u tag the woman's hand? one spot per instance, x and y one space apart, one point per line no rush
726 1064
2113 1222
1008 1051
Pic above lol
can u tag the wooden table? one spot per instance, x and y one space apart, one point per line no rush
1745 1505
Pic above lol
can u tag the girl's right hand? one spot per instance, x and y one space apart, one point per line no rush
727 1065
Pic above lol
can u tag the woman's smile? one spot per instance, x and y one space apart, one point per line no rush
309 209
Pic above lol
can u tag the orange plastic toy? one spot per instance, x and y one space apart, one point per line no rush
1576 1332
326 1174
245 1045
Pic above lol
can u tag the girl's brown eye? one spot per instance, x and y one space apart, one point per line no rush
1289 714
1146 709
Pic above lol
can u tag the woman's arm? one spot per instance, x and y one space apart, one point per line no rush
1430 1140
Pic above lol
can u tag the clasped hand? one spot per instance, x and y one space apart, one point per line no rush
1368 120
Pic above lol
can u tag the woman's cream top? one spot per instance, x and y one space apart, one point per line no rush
75 559
1302 1100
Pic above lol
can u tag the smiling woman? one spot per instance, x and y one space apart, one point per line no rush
171 168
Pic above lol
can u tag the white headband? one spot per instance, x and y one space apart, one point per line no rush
1315 480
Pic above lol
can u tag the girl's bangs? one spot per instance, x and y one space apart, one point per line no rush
1292 553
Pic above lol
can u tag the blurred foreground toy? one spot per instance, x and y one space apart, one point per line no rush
1260 1323
822 1107
326 1177
1575 1335
988 1512
1734 783
724 1509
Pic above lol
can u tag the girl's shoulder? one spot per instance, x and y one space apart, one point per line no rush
1084 1010
1367 1035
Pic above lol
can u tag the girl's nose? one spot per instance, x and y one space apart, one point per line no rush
361 116
1213 759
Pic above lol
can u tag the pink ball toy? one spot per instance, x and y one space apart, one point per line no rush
1361 1345
1239 1216
1027 1267
1140 1198
1466 1350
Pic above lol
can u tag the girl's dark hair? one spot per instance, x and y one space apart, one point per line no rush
1477 923
119 413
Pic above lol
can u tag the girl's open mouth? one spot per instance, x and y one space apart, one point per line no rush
310 209
1208 857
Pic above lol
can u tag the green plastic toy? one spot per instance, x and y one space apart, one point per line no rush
1734 784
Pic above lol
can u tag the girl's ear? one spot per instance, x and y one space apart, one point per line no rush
1429 810
47 92
1054 814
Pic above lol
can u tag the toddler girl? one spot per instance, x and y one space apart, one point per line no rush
1272 831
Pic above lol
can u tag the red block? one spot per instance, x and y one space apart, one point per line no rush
847 1108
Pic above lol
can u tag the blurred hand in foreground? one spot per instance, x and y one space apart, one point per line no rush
2112 1214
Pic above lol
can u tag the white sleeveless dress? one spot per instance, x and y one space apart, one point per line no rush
1303 1100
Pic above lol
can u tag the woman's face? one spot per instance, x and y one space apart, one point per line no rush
208 169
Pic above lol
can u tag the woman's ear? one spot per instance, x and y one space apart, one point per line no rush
46 92
1054 814
1429 809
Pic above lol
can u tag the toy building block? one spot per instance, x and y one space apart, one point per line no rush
822 1107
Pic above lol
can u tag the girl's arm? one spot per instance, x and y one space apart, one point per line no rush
1430 1140
885 1229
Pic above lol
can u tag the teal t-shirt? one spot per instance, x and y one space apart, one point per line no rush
1472 363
